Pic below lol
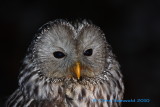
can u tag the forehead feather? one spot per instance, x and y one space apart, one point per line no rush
63 33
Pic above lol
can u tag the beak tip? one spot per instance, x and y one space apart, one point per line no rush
78 78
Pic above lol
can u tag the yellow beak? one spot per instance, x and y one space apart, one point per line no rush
77 70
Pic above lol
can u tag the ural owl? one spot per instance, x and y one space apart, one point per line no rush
69 65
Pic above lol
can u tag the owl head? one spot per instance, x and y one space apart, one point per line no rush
69 50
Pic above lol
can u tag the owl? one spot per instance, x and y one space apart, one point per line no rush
69 64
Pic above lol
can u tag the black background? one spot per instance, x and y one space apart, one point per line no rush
132 27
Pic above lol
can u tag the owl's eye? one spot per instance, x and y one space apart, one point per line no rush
58 54
88 52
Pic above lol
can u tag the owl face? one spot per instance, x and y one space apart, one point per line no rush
62 50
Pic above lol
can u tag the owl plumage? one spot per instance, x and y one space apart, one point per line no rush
68 65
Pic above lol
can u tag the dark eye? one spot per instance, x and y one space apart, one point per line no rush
88 52
58 54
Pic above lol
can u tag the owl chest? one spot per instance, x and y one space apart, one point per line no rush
76 95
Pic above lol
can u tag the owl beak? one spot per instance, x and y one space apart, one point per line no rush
77 70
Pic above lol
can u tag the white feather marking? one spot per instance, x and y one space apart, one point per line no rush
18 101
28 103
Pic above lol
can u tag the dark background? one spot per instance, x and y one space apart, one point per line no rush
132 27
